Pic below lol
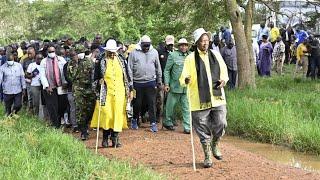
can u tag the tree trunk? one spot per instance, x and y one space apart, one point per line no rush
244 68
248 33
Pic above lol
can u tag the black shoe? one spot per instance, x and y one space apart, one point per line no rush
105 143
116 143
218 157
75 130
170 128
84 136
186 131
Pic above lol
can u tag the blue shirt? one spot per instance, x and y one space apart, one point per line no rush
12 78
264 31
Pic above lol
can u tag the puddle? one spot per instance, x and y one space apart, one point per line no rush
278 154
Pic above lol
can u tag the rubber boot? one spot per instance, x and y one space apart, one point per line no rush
215 149
105 137
115 140
207 163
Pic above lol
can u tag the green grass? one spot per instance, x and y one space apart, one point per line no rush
30 150
282 110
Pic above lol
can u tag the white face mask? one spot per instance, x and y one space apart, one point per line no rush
81 55
10 63
51 55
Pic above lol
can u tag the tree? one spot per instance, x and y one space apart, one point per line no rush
245 71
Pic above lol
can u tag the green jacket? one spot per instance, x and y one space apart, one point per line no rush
173 71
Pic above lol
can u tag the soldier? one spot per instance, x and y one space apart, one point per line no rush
177 93
80 71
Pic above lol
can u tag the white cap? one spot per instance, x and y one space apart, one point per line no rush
198 33
145 39
111 46
183 41
169 39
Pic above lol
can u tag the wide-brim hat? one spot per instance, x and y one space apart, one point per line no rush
111 46
199 32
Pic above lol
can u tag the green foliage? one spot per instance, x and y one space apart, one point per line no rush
280 111
30 150
126 20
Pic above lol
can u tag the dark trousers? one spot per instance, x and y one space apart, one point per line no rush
232 78
315 65
148 95
56 106
12 99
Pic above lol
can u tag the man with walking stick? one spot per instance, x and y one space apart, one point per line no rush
205 74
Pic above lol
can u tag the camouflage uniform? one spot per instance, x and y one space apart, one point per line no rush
81 74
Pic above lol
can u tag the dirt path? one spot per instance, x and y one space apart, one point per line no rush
170 153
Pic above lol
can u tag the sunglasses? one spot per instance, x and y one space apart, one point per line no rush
51 51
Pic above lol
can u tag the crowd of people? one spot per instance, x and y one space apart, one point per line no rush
112 85
287 45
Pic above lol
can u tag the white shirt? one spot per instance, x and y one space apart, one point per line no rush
35 80
43 69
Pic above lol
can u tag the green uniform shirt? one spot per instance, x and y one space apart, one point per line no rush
173 70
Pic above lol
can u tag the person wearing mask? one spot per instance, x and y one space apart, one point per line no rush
111 72
229 54
205 74
279 54
52 80
176 93
145 70
265 57
35 85
13 85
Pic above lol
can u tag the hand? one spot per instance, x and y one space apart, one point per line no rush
101 81
222 84
160 87
130 95
166 88
49 90
187 80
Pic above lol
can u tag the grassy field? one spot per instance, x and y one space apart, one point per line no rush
282 110
30 150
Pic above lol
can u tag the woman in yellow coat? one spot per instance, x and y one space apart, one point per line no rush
112 72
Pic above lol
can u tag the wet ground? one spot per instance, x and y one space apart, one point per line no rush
169 153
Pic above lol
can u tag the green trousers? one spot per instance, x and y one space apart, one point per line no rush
172 100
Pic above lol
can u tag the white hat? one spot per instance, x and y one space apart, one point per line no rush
169 39
198 33
145 39
111 46
183 41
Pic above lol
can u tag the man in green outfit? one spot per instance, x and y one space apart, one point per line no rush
176 93
80 72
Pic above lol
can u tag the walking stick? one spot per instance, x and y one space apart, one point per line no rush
99 113
191 133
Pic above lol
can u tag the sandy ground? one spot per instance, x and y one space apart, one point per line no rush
170 153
